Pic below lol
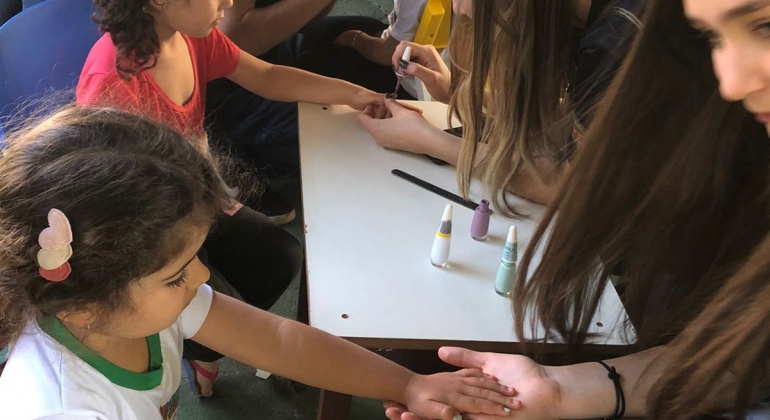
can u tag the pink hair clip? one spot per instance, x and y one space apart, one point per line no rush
53 257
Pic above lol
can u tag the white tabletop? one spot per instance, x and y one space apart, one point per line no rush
369 235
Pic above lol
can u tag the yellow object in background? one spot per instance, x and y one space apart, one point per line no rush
435 24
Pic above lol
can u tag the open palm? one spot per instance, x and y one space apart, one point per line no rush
538 392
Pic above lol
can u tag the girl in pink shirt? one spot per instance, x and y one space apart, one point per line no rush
155 59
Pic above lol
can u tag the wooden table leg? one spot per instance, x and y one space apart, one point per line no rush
333 406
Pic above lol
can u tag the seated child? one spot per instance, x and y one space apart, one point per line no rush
102 216
156 58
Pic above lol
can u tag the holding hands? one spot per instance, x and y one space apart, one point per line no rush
395 126
440 396
537 393
364 98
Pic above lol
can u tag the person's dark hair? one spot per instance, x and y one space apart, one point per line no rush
522 51
671 192
132 30
132 189
722 356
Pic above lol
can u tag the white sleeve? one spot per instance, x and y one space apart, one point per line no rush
66 417
196 312
407 19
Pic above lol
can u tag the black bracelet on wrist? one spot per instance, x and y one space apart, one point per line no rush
620 399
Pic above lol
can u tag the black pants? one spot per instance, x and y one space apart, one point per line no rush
250 258
322 57
262 132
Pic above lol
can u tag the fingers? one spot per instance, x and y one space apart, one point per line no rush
399 51
366 119
426 55
393 413
388 404
485 402
381 112
423 73
410 416
369 110
397 107
390 108
475 373
479 387
393 107
371 118
411 108
435 410
462 357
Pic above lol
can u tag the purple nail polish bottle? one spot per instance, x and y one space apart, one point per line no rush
480 223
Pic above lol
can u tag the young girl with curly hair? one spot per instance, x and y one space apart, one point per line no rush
155 58
102 216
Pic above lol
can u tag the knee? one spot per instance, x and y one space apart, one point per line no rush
290 255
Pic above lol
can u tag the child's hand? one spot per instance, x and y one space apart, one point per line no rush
364 98
394 126
539 394
445 395
427 65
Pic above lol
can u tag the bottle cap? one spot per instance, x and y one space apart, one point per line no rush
512 235
446 221
407 54
480 223
447 213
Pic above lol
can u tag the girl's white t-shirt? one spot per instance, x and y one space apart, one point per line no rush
46 379
404 19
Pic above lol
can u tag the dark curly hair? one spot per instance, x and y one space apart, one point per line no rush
133 32
132 190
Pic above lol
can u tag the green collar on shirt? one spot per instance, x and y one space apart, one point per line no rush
117 375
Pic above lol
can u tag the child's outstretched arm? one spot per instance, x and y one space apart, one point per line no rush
310 356
287 84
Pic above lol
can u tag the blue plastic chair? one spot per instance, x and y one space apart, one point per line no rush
42 50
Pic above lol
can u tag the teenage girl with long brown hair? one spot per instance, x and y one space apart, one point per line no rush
672 192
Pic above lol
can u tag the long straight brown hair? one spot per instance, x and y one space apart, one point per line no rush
670 191
723 354
521 51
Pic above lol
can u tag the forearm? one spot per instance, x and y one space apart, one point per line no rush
587 392
296 351
289 84
376 50
344 367
544 190
446 147
257 30
525 185
442 145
